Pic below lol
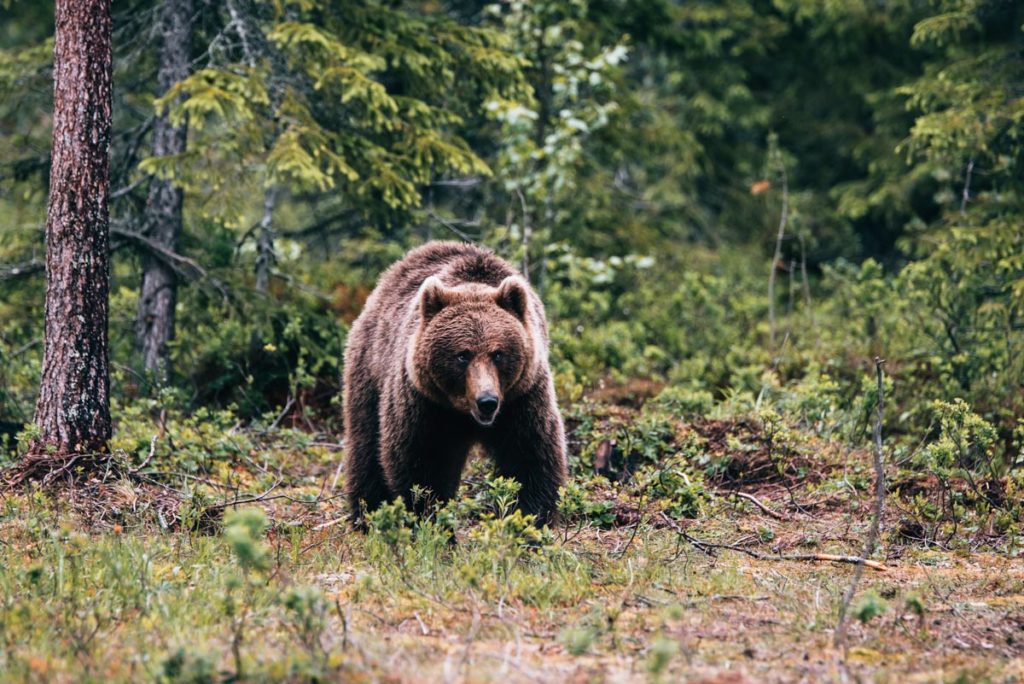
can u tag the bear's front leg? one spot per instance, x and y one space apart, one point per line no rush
364 480
527 443
423 447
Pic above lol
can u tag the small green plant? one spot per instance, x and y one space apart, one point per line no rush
978 484
306 612
966 446
389 533
187 667
577 640
915 605
498 545
499 495
870 606
660 655
678 488
28 434
575 505
681 400
776 436
243 529
391 524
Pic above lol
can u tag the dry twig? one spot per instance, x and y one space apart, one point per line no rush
53 469
757 502
710 547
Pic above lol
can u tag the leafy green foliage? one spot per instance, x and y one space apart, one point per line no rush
662 652
869 606
577 505
641 143
632 155
243 530
352 99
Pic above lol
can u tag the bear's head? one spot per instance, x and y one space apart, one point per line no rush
475 346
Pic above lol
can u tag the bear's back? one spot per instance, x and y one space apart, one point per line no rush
454 262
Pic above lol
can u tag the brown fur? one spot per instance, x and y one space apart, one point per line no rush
448 327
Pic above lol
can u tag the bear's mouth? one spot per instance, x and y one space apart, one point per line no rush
483 421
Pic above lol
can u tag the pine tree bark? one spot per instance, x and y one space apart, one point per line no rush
158 294
73 411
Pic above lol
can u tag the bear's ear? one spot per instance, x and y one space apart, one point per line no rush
512 296
433 297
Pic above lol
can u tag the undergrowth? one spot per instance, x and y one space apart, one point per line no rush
252 572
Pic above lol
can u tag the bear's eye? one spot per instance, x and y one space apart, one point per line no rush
498 356
462 358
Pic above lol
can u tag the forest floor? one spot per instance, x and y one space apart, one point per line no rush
101 583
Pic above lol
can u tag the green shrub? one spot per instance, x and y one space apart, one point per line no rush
680 400
244 529
577 505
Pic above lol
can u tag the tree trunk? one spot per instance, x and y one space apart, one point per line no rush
265 254
163 220
73 412
254 45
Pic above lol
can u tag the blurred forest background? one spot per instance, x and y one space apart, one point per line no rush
745 201
731 209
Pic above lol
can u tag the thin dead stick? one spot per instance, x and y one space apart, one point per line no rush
757 502
710 547
639 520
872 539
281 416
337 474
330 523
466 237
152 452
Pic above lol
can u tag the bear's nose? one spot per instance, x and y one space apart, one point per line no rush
487 404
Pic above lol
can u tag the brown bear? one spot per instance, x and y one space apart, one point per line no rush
451 350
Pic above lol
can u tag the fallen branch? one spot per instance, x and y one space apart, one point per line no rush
805 557
281 416
757 502
832 558
149 457
710 547
330 523
48 469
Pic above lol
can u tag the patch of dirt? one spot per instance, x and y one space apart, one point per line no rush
745 457
631 393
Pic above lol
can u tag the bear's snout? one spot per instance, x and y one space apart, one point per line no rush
487 406
483 390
